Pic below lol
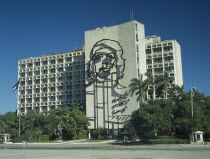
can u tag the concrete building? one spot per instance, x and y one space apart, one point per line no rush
51 81
164 56
99 74
113 56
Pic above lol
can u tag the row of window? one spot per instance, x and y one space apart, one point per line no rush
159 49
160 59
50 60
161 69
50 71
51 99
52 89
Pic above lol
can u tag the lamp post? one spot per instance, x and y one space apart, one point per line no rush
192 90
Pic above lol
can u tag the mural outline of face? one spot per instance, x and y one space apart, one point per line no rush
104 61
106 57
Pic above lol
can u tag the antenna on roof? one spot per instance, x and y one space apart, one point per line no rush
131 15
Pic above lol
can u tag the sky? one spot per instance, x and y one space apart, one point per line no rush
31 28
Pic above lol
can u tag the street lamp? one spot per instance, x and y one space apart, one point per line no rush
192 91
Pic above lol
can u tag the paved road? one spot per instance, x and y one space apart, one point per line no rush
103 151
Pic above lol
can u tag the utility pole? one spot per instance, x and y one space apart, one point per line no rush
19 123
192 90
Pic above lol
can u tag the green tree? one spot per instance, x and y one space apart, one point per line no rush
153 118
183 122
138 87
163 84
150 81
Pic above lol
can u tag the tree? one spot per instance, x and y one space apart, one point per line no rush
153 118
183 121
163 84
138 87
150 81
73 121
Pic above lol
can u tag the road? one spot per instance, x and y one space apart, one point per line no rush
103 151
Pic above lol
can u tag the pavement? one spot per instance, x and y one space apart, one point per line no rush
102 150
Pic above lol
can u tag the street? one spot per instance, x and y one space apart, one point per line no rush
103 151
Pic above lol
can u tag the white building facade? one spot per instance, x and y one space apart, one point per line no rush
164 56
51 81
99 75
113 56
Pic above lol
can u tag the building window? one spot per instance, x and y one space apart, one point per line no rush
158 70
52 89
44 80
29 91
60 69
22 74
44 99
60 88
37 63
30 64
170 68
137 38
37 72
60 60
29 82
22 101
52 79
37 90
52 70
29 100
22 92
169 58
148 51
149 70
52 61
22 65
60 79
44 89
29 73
44 71
149 61
44 62
158 60
37 81
158 49
167 48
69 59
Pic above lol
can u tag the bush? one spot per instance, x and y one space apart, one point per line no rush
100 133
44 138
166 141
17 140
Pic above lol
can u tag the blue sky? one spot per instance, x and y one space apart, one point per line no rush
30 28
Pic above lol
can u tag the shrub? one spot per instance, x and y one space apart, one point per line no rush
166 141
100 133
17 140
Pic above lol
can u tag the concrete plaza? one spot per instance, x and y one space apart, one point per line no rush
103 151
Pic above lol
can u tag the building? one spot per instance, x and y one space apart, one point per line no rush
51 81
98 75
163 56
113 56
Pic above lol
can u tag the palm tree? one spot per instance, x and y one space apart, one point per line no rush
150 81
163 84
176 92
138 87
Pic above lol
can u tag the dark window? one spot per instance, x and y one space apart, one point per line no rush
158 49
148 51
167 48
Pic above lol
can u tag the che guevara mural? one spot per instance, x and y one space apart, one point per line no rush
106 92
